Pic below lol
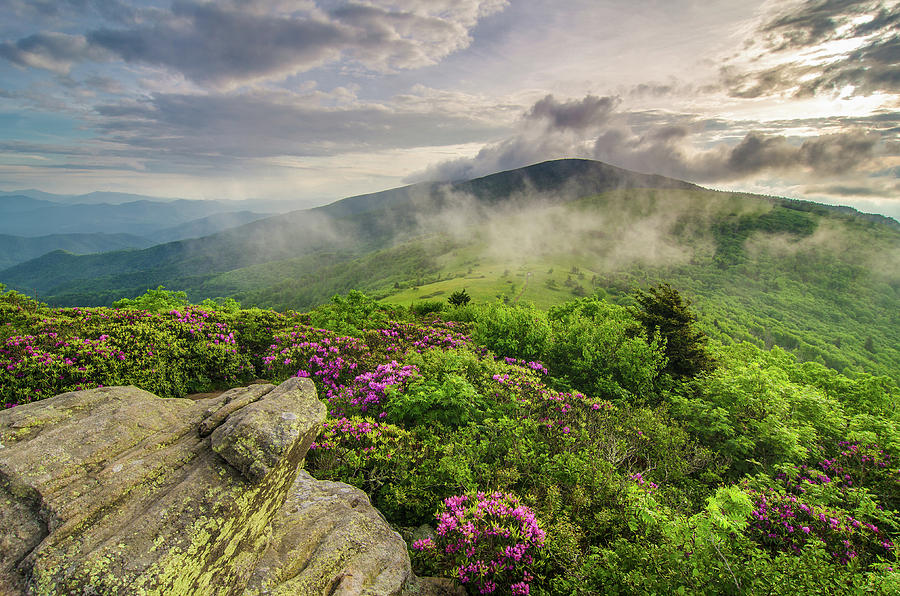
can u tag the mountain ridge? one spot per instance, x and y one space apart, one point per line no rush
354 223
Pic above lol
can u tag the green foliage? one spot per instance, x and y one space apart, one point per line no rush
158 300
664 313
459 298
642 485
444 393
756 415
351 314
426 307
601 349
514 331
229 305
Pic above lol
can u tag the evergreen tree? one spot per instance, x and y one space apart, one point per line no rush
459 298
664 313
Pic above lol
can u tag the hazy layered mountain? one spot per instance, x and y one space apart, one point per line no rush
26 216
117 198
361 223
91 198
205 226
18 249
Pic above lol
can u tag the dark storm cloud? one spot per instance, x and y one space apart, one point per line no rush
816 21
872 66
755 153
215 45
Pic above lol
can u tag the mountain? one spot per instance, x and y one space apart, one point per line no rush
92 198
25 216
822 282
18 249
205 226
117 198
347 227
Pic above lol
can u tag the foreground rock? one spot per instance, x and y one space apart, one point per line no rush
116 491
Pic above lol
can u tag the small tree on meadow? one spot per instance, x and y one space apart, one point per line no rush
459 298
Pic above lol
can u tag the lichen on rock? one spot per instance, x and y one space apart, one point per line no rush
116 491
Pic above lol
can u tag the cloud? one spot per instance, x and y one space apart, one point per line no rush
575 114
213 45
265 123
56 52
822 47
226 44
667 150
659 143
113 10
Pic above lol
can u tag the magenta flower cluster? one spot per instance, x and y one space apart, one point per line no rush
639 479
369 389
557 411
785 523
329 359
79 348
486 541
400 338
533 365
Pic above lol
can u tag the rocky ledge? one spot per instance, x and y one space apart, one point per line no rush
117 491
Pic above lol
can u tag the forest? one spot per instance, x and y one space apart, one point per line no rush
595 446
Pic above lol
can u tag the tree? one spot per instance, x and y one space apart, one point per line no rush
665 314
459 298
158 300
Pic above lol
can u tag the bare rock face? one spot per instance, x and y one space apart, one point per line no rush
117 491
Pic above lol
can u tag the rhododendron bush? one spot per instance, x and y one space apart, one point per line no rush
486 541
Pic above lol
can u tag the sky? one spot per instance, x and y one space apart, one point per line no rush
315 100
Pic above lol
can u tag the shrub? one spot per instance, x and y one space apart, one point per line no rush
517 331
158 300
486 541
601 349
426 307
350 315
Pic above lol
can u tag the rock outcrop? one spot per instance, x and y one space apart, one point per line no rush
116 491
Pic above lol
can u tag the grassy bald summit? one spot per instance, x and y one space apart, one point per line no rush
822 282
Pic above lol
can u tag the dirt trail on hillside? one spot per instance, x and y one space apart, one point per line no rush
524 287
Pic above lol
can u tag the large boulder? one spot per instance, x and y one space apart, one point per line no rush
116 491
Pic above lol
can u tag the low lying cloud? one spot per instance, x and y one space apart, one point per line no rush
659 143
